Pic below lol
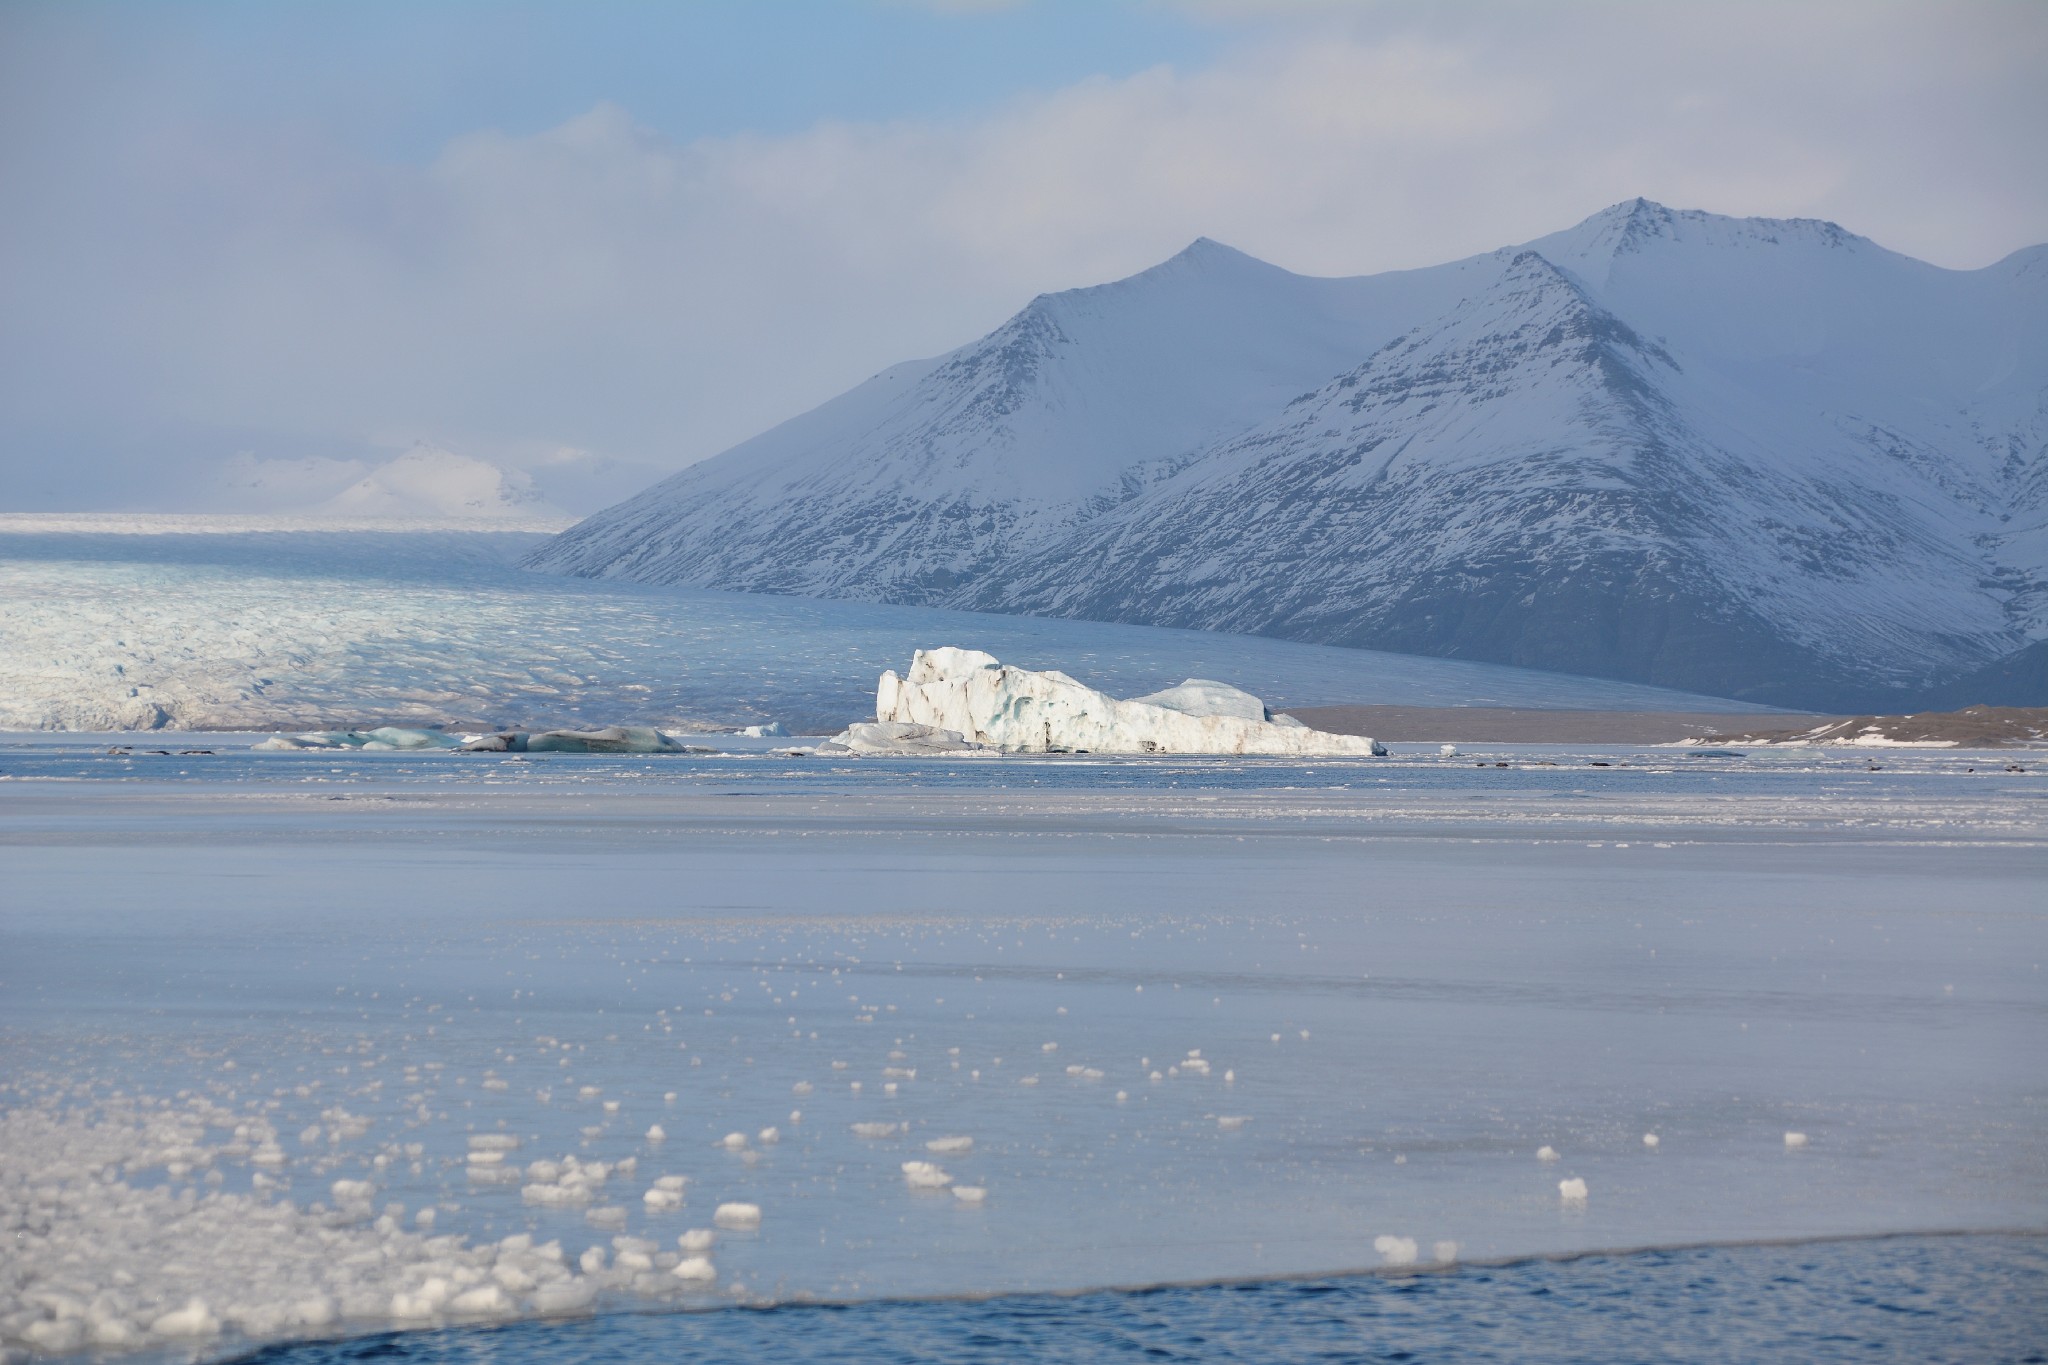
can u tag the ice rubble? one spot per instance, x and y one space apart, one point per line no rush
962 700
109 1261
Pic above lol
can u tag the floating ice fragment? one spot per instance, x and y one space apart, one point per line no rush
950 1146
1572 1190
737 1215
732 1142
695 1269
970 1194
657 1133
923 1175
874 1130
1230 1123
660 1200
1396 1250
486 1300
1795 1139
564 1296
697 1241
768 1137
1546 1153
1650 1139
1446 1252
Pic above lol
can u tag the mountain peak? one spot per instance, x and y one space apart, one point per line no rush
1638 225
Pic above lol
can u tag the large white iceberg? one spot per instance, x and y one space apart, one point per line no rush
962 698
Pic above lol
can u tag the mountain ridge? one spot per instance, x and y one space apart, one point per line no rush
1765 458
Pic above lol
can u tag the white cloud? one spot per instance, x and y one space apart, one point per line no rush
602 287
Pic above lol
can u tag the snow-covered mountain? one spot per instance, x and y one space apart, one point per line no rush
1753 457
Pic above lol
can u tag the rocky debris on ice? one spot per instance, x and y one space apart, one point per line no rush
1973 727
962 700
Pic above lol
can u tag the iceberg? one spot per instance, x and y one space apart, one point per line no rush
958 700
897 737
612 739
383 737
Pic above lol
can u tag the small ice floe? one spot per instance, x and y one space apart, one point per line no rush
1650 1139
875 1130
1546 1153
195 1319
1448 751
657 1133
1446 1252
592 1260
605 1216
564 1296
696 1241
1396 1250
659 1200
950 1146
924 1175
1795 1140
733 1142
1572 1190
768 1137
970 1194
801 1088
1230 1123
695 1270
737 1215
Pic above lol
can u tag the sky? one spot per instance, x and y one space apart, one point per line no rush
250 250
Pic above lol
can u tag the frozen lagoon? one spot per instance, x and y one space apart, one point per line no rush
1405 977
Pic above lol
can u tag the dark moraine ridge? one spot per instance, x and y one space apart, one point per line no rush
1511 725
1910 1298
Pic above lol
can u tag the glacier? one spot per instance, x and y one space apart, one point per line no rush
280 624
1752 457
967 699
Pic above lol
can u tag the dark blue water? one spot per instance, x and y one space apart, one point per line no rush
1976 1298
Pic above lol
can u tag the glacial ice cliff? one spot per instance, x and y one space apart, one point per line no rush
970 697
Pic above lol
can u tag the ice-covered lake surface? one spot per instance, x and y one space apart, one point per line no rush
1181 1020
223 623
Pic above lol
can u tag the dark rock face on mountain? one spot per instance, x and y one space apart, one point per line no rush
1757 458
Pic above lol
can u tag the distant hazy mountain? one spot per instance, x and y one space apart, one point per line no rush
1753 457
